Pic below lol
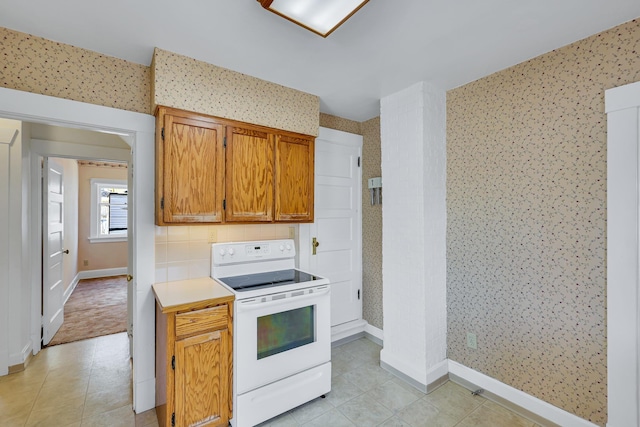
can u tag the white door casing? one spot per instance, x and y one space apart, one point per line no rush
52 250
338 223
622 105
130 253
7 137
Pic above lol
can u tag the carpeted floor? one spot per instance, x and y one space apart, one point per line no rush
96 307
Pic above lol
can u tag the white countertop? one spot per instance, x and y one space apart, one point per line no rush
188 294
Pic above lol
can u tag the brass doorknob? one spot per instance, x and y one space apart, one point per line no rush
129 277
66 251
314 244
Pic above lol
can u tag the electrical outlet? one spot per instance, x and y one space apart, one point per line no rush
292 232
472 340
213 235
85 262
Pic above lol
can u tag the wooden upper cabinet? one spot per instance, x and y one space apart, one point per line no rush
249 175
189 168
213 170
294 178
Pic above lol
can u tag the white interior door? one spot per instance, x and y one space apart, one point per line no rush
338 222
53 252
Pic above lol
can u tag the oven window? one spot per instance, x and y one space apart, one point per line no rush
286 330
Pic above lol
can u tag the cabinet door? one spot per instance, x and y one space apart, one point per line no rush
202 378
192 170
249 175
294 178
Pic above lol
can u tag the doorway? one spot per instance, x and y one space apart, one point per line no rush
138 130
89 293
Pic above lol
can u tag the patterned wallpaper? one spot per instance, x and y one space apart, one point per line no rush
371 215
188 84
526 194
371 226
338 123
38 65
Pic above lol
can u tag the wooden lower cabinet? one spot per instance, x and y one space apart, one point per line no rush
194 366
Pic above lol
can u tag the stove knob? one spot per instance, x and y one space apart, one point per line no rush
231 251
288 247
281 248
222 252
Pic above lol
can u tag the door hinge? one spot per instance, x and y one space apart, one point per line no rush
162 203
358 293
173 419
358 161
173 360
224 204
224 144
162 133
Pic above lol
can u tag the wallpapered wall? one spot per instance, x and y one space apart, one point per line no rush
371 215
526 206
188 84
37 65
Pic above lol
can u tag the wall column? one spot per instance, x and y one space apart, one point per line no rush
413 131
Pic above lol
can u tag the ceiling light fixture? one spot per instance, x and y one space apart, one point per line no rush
320 16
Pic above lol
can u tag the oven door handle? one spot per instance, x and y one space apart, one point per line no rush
257 303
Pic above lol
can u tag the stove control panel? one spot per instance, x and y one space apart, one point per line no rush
247 252
258 250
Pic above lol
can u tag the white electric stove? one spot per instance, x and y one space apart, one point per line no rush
282 331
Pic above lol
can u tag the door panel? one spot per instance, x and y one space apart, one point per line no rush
201 369
53 214
193 170
337 225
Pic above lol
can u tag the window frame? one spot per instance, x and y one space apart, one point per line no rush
94 234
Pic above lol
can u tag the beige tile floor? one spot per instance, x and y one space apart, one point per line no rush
363 394
85 383
88 383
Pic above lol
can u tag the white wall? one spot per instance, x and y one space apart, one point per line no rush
413 131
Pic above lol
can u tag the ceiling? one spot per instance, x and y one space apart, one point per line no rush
385 47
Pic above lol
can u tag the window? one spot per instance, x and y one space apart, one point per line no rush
108 210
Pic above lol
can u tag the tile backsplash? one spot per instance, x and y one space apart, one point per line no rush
184 252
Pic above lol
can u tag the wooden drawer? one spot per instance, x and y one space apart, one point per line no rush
198 321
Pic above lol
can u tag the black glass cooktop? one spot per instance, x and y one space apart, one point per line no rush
250 282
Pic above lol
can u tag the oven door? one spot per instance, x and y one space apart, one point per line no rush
280 335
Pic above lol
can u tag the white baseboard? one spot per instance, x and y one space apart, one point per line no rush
71 288
414 374
106 272
144 397
517 398
20 357
376 333
348 330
